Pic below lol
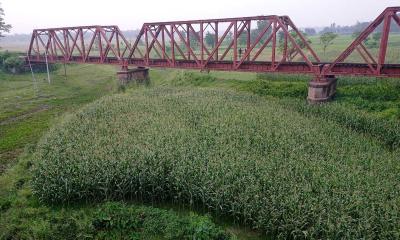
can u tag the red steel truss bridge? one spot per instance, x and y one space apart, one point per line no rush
229 44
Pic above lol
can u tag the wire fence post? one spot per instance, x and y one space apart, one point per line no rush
35 87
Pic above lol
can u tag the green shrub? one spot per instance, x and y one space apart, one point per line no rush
111 220
284 77
289 175
186 78
4 56
119 221
279 89
14 64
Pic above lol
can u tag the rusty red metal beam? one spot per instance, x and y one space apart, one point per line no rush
375 67
243 47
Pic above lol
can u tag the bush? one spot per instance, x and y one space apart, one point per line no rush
111 220
4 56
14 64
284 77
236 154
279 89
119 221
193 79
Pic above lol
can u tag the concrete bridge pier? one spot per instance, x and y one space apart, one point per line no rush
322 89
139 75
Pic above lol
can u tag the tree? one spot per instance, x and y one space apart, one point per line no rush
373 42
4 28
327 39
377 36
228 39
310 31
242 39
291 50
255 33
355 34
370 42
210 39
14 64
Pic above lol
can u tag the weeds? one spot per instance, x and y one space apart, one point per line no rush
113 220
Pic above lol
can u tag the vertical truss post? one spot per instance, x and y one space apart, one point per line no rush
37 45
202 42
100 44
50 45
68 45
384 42
285 48
274 30
82 45
118 46
172 46
188 40
163 41
248 46
65 37
146 37
216 41
235 50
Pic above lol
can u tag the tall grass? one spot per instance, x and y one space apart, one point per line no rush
236 154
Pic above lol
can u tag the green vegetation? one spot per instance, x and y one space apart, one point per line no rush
326 39
340 43
27 111
11 62
369 106
366 110
28 107
113 221
233 153
4 28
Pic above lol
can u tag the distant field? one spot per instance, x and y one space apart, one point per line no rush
343 41
21 47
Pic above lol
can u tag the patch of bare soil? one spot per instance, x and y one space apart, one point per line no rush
7 159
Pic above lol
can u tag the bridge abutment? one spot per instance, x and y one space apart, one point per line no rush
322 89
139 75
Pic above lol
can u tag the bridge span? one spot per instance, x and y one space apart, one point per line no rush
248 44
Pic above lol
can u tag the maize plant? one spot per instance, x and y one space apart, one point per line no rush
235 154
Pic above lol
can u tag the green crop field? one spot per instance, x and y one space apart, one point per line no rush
194 155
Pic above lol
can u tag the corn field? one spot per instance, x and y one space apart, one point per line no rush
232 153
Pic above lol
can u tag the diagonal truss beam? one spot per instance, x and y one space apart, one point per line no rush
375 66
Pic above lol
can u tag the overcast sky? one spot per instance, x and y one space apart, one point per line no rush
26 15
